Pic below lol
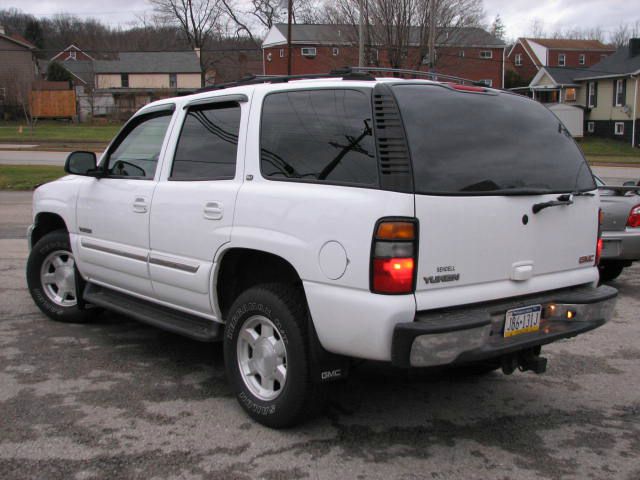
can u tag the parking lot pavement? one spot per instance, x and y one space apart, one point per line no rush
117 399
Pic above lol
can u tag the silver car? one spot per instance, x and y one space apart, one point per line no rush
620 227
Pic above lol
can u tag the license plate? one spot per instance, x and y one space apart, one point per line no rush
522 320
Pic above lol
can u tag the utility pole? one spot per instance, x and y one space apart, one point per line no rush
289 37
361 35
432 34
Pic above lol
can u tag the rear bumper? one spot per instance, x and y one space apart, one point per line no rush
475 332
621 245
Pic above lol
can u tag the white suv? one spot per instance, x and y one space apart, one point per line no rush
307 223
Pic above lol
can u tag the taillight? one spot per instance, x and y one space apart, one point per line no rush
599 243
393 256
634 217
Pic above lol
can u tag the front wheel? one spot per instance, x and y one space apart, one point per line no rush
51 278
266 355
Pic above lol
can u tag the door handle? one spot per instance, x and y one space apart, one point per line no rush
213 211
140 205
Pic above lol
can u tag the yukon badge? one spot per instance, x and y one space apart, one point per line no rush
451 277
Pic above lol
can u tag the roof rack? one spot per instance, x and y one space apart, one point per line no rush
346 73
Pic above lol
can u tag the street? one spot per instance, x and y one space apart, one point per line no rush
118 399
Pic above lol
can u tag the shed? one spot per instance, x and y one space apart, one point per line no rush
572 118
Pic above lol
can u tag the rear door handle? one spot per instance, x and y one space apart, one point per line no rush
213 211
140 205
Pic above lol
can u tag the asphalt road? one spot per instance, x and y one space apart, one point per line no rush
117 399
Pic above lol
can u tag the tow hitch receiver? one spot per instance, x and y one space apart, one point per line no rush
526 360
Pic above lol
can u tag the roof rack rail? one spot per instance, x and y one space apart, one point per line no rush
345 73
398 72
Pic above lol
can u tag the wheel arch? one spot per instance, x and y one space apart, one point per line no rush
241 268
47 222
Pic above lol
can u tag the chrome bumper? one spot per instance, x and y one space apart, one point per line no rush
475 333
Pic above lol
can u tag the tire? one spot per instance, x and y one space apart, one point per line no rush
610 270
51 258
272 319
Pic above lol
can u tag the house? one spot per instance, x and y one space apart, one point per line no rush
528 55
18 70
72 53
554 85
120 85
611 96
468 52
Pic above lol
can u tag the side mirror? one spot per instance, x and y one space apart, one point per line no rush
81 163
630 183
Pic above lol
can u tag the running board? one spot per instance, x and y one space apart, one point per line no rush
159 316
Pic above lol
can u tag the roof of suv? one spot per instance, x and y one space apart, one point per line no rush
293 84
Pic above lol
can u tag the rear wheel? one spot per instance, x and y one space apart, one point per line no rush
51 278
266 355
610 270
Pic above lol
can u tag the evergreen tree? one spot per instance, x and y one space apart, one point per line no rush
498 29
57 73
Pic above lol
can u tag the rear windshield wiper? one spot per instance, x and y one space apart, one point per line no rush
566 199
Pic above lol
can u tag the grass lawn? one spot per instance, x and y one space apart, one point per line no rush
27 177
52 131
592 146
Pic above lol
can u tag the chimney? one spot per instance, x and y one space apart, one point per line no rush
634 46
197 50
2 29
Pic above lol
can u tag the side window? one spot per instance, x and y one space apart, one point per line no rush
318 136
136 154
208 143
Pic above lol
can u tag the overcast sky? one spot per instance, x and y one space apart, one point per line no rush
517 15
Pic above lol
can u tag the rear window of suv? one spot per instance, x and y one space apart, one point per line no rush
487 144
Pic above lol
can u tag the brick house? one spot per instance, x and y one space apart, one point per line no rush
72 53
528 55
470 52
18 70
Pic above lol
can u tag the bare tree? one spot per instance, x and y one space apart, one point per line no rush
625 31
537 29
199 21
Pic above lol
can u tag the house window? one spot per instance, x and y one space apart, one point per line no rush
335 51
592 95
620 92
486 54
618 128
72 55
562 59
582 59
603 56
308 51
570 94
591 127
488 82
173 80
282 53
461 53
124 80
518 61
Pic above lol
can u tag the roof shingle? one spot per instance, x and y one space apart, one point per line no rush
150 62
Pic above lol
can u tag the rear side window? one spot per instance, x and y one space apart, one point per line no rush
318 136
487 144
208 143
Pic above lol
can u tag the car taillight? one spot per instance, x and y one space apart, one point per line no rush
599 243
634 217
393 256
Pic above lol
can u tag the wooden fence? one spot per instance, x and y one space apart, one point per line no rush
53 103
